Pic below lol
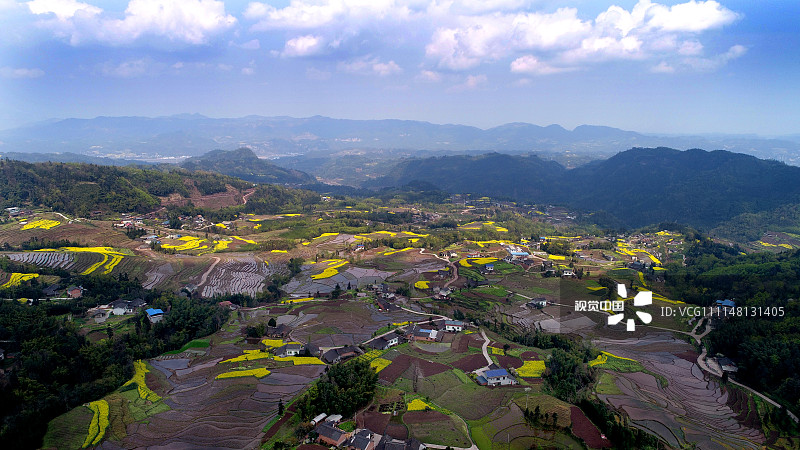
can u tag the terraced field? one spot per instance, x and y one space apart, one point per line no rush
689 409
236 275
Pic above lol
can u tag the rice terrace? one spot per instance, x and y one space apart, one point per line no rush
474 335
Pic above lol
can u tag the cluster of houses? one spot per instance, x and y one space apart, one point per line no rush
329 434
122 308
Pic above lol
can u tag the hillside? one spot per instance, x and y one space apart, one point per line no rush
638 186
244 164
79 189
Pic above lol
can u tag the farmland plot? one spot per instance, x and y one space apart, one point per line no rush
54 260
689 409
239 275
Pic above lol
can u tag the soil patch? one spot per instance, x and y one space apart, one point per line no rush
509 361
412 417
531 356
586 430
470 363
689 355
373 421
397 431
403 362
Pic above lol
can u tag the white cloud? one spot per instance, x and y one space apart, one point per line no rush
300 46
127 69
715 62
254 44
429 76
192 22
21 72
369 66
561 38
248 71
662 67
62 9
471 83
529 64
691 16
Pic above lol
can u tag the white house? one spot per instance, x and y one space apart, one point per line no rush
499 377
289 350
453 325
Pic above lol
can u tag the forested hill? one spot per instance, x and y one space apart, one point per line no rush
244 164
82 188
638 186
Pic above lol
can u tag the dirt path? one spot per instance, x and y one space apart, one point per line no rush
208 271
485 349
245 196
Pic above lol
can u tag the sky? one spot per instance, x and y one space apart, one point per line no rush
681 67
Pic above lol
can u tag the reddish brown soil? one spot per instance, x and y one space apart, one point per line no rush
509 361
530 356
373 421
403 362
231 197
397 431
424 417
461 344
586 430
470 363
690 356
499 345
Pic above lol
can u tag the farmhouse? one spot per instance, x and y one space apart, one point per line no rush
384 342
289 350
99 315
154 315
496 377
52 290
281 331
340 354
75 292
453 325
539 302
331 435
362 439
119 307
568 273
389 443
424 334
441 293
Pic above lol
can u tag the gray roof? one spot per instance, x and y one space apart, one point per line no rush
329 432
361 439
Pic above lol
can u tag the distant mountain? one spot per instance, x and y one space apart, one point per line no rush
69 157
192 135
638 186
244 164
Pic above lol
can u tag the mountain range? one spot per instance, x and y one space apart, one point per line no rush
192 135
638 186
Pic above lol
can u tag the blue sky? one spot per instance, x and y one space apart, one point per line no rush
650 66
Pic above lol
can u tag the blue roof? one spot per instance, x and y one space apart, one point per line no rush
726 303
519 253
454 322
423 330
481 380
153 312
496 373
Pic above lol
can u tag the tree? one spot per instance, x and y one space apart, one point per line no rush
272 322
337 291
280 407
505 347
555 418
